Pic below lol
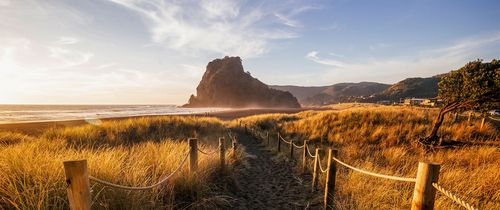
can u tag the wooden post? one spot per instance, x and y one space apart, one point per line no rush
235 147
316 170
482 122
424 193
222 154
330 180
291 149
267 135
304 157
78 187
193 155
279 142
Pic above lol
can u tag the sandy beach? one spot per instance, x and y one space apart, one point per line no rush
34 128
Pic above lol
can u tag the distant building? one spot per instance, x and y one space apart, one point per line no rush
431 102
413 101
384 102
423 102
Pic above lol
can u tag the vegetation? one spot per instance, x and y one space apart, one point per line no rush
136 152
141 151
476 86
382 139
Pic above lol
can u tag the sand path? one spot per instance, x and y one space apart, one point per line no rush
267 182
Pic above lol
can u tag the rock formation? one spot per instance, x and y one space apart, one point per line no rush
226 84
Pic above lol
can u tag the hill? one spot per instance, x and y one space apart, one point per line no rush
365 91
412 87
341 92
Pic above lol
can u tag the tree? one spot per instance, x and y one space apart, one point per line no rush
475 86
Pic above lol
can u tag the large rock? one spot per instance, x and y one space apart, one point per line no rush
226 84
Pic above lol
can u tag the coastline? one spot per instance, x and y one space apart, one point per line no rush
36 127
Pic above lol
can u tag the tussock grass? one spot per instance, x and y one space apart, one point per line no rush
383 139
137 152
8 138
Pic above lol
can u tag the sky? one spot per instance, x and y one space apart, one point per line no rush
155 51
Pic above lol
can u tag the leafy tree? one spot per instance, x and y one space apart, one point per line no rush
475 86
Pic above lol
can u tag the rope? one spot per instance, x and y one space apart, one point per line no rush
230 136
319 163
208 153
308 152
298 147
288 142
109 184
404 179
454 197
495 119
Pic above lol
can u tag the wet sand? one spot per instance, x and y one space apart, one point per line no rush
34 128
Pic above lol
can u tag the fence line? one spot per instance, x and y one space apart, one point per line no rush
78 179
492 118
288 142
208 153
109 184
425 182
309 152
299 147
453 197
319 164
403 179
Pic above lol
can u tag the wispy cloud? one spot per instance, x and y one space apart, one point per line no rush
333 27
425 63
103 66
66 40
68 57
221 26
313 56
379 45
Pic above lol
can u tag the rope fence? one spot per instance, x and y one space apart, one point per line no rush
298 147
453 197
495 119
403 179
208 153
109 184
309 152
78 179
425 181
320 167
288 142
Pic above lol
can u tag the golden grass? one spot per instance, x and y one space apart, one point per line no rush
382 139
7 138
136 152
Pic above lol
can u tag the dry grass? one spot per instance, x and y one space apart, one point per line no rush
382 139
132 152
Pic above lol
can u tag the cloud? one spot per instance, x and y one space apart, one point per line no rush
66 40
287 18
334 27
103 66
425 63
69 58
380 45
4 3
220 26
313 56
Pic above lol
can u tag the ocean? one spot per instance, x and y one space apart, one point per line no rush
37 113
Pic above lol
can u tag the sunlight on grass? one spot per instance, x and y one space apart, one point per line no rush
383 139
129 152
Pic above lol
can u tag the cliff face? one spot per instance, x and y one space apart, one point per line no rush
226 84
